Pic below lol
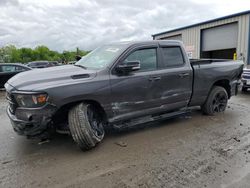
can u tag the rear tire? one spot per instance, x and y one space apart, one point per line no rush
86 125
244 89
216 101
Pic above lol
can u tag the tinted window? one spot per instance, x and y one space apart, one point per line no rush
38 64
32 64
147 58
41 63
54 63
172 56
8 68
19 68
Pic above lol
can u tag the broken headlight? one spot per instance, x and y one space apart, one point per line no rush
31 100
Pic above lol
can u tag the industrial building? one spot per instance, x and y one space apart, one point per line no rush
227 37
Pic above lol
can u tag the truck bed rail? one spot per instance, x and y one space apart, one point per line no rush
207 61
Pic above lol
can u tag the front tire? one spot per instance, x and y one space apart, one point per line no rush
86 125
216 101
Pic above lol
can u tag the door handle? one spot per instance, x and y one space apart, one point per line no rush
154 78
182 75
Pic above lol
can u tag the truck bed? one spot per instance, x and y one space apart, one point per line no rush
206 73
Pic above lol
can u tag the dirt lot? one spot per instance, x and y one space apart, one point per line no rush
190 151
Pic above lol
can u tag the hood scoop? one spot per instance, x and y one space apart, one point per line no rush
80 76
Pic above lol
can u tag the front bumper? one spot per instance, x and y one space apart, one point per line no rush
31 122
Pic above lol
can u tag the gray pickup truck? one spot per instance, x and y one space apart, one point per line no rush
118 85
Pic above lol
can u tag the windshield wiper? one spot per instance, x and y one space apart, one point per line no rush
81 66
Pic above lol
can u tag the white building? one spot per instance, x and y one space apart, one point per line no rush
227 37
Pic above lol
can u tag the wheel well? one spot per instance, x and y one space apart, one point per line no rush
61 115
225 84
99 108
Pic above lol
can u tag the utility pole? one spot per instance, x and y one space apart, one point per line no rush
77 51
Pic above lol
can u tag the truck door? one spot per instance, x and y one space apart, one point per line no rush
173 87
131 94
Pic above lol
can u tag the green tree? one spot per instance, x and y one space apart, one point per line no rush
26 55
12 54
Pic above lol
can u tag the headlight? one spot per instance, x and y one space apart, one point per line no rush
31 100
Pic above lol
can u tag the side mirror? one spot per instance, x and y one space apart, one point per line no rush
129 66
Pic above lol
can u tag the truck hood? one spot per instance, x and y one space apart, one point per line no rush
39 79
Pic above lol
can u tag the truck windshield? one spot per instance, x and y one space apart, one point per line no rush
101 57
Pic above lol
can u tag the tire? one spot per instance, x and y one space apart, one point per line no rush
244 89
216 101
86 126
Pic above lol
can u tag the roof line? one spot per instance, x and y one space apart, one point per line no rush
205 22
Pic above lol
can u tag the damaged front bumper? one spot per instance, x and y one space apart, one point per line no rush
32 122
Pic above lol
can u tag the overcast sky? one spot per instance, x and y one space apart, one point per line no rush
67 24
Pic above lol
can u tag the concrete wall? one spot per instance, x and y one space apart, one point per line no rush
191 36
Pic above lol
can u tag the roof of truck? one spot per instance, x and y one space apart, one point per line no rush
147 42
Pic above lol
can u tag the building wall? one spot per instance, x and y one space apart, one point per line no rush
191 36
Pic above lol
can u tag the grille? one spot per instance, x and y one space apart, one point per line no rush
12 103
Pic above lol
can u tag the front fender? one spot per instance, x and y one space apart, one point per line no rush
98 91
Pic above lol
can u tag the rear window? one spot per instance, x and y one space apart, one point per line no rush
38 63
8 68
172 56
41 63
19 68
32 64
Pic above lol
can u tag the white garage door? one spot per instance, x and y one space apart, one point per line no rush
221 37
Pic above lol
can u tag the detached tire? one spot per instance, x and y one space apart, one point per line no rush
86 125
216 101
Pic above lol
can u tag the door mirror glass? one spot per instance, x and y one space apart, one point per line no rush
128 66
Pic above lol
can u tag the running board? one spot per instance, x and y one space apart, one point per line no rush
148 119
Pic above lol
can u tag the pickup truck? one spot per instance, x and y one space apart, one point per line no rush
118 85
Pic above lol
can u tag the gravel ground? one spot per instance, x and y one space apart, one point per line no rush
189 151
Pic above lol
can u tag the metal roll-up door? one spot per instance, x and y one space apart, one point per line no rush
220 37
175 37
